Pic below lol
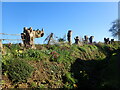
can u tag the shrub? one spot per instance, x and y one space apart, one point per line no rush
18 70
110 74
32 54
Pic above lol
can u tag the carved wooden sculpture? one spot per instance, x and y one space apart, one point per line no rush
77 40
86 39
91 39
29 35
112 41
69 35
106 40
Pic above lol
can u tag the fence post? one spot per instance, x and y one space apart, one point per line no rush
1 46
51 35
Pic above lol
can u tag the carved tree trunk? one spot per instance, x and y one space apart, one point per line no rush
29 35
69 36
77 40
91 39
86 39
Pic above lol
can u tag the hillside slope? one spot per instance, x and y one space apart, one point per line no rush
61 66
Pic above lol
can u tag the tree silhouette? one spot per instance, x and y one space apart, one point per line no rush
115 29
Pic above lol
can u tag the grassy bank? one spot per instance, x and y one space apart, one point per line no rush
61 66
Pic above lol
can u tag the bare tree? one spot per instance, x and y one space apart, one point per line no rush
115 29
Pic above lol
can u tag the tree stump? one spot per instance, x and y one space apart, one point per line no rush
29 35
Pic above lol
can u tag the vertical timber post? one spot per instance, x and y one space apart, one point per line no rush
1 46
69 37
86 39
51 35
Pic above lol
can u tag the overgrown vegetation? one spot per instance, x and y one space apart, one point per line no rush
62 66
17 70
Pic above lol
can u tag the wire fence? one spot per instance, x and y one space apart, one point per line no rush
8 40
10 34
12 39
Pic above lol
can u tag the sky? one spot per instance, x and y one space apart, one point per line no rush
83 18
59 0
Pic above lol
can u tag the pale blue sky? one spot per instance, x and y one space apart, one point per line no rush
83 18
59 0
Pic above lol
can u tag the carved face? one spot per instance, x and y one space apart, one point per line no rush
39 33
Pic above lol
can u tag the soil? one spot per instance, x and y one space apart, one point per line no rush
46 74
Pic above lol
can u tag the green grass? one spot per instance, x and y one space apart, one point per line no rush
82 66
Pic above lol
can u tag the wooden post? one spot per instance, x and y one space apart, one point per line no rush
51 35
91 39
1 46
77 40
69 36
86 39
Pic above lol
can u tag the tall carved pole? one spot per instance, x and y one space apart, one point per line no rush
69 36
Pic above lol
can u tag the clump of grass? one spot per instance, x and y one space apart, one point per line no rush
70 82
18 70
